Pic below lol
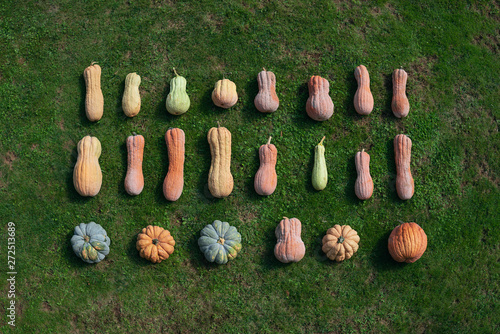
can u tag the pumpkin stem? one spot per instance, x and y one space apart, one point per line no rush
263 69
221 241
269 141
156 241
400 221
321 142
341 239
218 124
86 238
175 72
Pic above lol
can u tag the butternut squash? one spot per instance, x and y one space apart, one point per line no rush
220 179
134 179
289 247
363 99
87 175
266 100
131 101
319 105
400 105
363 187
404 180
174 181
266 178
224 94
94 100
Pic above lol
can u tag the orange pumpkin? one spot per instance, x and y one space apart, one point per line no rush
155 244
340 243
407 242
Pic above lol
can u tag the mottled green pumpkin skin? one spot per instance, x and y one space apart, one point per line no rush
219 242
90 242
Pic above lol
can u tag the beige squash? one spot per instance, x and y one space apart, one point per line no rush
220 179
87 175
94 100
131 101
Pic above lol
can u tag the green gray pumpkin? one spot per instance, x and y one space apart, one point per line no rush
177 100
220 242
90 242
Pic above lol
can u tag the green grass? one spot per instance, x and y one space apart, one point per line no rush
450 50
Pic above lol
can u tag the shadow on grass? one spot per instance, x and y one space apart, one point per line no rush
381 258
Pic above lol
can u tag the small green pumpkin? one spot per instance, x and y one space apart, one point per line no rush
177 100
90 242
219 242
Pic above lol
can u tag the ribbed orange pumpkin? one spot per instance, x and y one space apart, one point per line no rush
174 181
319 105
363 187
134 180
266 100
290 247
363 99
266 178
400 105
340 243
94 101
404 180
407 242
155 244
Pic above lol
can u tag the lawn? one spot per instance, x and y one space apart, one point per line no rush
450 50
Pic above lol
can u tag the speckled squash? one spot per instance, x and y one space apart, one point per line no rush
405 186
363 187
87 175
407 242
219 242
266 179
224 94
94 100
289 246
400 104
363 99
220 179
131 101
134 179
266 100
174 181
319 105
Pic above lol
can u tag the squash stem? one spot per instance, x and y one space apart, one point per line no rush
156 241
263 69
221 241
269 141
321 142
86 238
341 239
175 72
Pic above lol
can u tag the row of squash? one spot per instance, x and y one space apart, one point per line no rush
319 105
220 242
87 175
